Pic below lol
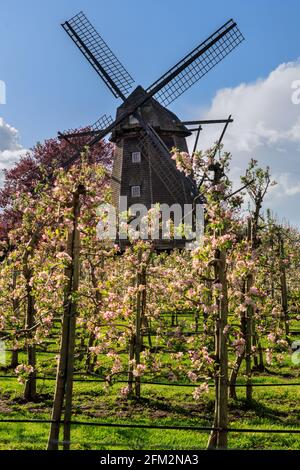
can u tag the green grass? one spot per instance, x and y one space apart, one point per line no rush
272 408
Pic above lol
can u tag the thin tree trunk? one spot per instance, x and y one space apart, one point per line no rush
248 345
14 358
261 364
196 322
213 438
283 288
130 367
148 326
15 354
72 331
255 345
234 376
239 359
140 318
30 384
90 355
91 358
138 325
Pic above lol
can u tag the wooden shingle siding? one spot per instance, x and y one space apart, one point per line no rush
148 174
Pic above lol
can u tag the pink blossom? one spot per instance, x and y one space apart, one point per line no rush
108 315
124 392
254 290
239 346
63 256
283 342
23 371
199 391
192 376
218 286
271 337
280 358
139 370
269 356
226 329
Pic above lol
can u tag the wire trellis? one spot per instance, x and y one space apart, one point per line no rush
163 384
153 426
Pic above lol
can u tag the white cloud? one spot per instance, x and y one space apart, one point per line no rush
10 148
266 127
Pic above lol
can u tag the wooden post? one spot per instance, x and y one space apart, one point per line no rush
213 438
223 372
65 370
249 332
218 438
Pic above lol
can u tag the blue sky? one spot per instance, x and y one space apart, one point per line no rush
50 87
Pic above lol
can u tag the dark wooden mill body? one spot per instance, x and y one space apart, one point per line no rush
155 174
143 125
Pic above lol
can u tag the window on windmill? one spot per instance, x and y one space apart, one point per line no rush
133 120
135 191
136 157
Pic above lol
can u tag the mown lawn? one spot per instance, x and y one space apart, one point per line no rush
272 408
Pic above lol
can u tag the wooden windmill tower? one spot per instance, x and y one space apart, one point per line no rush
144 169
144 130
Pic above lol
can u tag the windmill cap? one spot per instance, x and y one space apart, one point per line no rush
159 117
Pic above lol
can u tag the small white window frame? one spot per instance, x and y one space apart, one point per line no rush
135 191
136 157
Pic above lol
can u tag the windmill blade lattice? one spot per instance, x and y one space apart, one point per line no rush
100 56
196 64
100 125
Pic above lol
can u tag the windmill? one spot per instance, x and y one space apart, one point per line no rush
144 130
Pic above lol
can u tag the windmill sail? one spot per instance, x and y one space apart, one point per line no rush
101 124
196 64
99 55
